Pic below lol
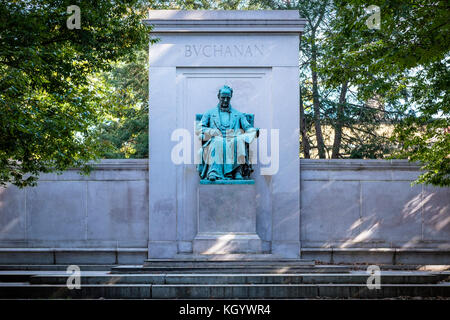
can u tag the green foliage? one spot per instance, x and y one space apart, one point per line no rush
406 63
350 127
126 130
425 135
50 98
70 96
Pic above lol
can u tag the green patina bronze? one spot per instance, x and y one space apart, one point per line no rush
226 134
244 181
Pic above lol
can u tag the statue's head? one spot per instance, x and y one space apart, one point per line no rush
224 95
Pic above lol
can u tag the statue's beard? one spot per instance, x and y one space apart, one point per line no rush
224 106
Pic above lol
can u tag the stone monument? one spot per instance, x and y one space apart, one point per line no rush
204 209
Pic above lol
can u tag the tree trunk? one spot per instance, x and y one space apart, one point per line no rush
339 121
316 102
305 141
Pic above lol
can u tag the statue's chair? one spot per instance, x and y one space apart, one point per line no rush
246 168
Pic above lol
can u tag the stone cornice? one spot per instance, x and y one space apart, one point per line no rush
305 164
347 164
119 164
225 21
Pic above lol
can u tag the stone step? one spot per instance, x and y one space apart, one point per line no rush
397 278
229 257
55 267
399 267
280 291
222 291
227 262
19 277
278 269
340 267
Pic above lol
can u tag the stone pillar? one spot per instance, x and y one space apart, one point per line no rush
256 53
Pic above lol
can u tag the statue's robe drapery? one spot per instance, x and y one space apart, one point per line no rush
223 154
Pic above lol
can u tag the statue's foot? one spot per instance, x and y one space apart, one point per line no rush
212 178
238 176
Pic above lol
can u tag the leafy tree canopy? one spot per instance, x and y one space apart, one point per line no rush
125 131
50 97
68 96
405 62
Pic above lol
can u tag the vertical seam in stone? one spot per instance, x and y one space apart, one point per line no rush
86 213
198 216
300 203
360 206
178 168
332 256
26 218
148 201
271 216
391 171
360 199
149 168
422 222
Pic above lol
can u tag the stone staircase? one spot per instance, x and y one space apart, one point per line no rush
220 279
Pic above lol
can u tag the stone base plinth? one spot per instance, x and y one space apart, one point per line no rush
226 220
226 243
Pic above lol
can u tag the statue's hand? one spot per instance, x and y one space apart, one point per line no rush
215 132
239 132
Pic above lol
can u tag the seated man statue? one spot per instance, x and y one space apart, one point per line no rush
224 132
